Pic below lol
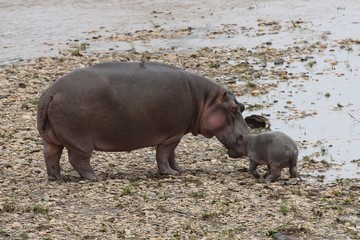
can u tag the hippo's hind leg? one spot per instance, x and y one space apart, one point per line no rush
165 158
52 154
274 172
293 171
293 165
81 162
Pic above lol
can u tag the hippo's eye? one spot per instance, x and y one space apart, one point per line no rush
234 108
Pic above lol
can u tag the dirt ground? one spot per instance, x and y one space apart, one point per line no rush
215 198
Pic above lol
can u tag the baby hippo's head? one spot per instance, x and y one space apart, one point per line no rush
239 150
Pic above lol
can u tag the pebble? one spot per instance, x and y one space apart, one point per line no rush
279 61
214 161
257 75
281 72
16 225
255 92
293 181
280 236
26 117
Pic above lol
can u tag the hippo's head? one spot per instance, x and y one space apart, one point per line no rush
222 118
240 149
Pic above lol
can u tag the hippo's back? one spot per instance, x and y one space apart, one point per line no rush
283 144
283 139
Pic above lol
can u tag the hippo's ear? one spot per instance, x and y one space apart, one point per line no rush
242 107
224 96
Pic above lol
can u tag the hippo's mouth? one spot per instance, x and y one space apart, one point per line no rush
233 153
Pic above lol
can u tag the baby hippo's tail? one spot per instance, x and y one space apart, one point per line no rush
43 106
293 163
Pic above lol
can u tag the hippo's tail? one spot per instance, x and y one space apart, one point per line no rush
42 110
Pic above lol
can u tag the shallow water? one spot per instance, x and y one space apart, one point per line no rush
35 28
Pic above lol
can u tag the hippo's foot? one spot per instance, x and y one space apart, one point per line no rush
272 177
168 171
174 166
165 158
54 177
178 169
255 174
90 176
273 173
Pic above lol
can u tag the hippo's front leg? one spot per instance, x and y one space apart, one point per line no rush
165 158
252 169
173 163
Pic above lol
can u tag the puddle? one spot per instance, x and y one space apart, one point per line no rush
322 112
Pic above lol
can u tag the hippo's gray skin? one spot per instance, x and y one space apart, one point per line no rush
274 149
127 106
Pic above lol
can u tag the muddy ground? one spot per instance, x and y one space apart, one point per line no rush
216 197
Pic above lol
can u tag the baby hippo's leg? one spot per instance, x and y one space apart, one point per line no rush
274 173
293 164
293 171
252 169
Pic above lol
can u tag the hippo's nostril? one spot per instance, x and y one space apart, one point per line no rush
240 138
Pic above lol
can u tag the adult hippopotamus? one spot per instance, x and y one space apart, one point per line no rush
123 106
274 149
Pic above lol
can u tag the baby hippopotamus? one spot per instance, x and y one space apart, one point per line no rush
275 149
